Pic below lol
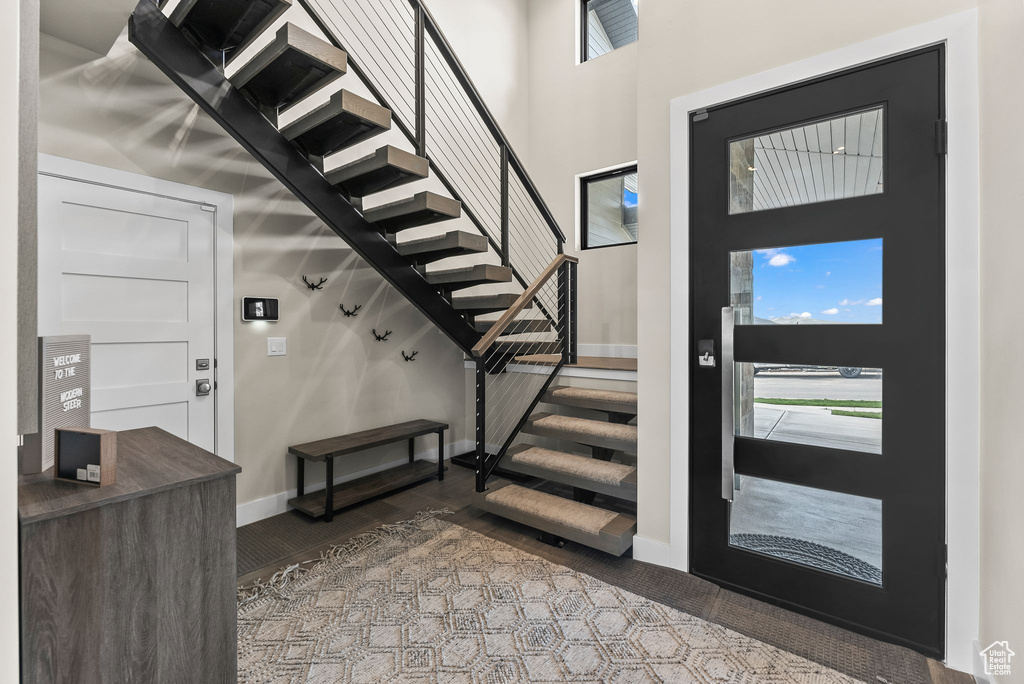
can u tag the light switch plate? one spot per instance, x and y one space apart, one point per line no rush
277 346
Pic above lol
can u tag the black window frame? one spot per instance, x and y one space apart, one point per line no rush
585 34
585 181
584 31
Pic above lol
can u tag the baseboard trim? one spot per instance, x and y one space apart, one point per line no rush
275 504
652 551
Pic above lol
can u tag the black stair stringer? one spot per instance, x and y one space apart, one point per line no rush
164 45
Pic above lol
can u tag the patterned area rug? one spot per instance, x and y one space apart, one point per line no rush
428 601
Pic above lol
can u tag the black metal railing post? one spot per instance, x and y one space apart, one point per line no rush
481 414
572 312
564 302
504 205
421 81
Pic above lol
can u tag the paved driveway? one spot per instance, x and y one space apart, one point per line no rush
816 425
850 524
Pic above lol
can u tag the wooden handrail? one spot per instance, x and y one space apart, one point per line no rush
506 318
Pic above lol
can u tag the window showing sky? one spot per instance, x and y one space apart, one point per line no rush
838 282
628 198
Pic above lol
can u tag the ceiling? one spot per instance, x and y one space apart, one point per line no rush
818 162
618 19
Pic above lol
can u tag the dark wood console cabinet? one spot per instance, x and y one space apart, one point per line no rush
135 581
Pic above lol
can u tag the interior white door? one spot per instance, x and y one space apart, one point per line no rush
136 272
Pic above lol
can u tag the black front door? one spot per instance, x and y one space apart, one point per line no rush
818 348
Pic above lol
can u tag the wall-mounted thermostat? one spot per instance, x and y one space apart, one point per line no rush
259 309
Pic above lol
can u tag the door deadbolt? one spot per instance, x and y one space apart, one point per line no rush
706 353
203 387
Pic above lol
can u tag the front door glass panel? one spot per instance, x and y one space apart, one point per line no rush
827 160
829 531
832 282
838 407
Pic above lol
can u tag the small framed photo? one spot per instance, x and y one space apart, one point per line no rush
85 455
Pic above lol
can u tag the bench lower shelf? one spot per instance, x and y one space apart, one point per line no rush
349 493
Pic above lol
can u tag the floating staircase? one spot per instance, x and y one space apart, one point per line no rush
516 241
194 45
606 471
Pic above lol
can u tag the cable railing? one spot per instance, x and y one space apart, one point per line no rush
517 359
397 49
400 53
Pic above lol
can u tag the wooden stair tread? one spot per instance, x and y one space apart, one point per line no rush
388 167
598 400
452 243
487 303
344 120
421 209
596 362
293 66
575 470
227 24
468 276
354 491
583 431
588 525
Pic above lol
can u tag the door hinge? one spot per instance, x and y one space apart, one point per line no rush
700 115
941 137
208 207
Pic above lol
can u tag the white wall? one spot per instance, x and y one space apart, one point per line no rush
491 40
120 111
1001 32
9 74
583 117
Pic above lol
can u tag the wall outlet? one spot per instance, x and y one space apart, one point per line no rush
277 346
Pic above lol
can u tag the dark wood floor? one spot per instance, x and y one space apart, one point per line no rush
266 546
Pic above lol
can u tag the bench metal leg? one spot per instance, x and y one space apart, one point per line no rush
440 455
412 449
329 510
300 472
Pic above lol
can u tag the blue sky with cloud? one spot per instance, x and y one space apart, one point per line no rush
840 282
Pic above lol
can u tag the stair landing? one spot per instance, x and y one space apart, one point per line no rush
595 362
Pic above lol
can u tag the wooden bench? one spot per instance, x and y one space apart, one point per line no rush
324 503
